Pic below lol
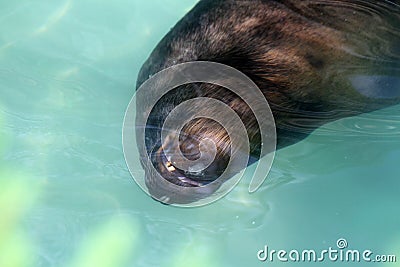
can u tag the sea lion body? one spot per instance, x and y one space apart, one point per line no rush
312 60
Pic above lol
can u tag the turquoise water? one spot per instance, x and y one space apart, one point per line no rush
67 73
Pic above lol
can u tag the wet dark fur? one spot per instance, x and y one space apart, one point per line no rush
299 53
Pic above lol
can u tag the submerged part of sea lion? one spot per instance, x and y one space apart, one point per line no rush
314 61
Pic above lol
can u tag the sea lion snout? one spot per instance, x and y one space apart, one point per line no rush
197 162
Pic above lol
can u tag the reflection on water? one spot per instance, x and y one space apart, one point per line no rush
67 72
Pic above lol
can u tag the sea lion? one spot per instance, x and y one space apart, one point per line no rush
314 61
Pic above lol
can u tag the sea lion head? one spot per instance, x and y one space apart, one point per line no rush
198 135
191 160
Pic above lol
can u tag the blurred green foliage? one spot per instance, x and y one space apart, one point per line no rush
198 253
17 195
111 245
